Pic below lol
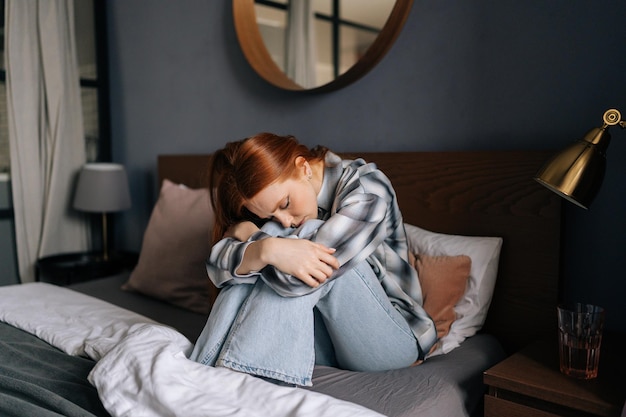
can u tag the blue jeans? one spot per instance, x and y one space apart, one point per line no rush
348 322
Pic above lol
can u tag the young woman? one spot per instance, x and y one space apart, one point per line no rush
312 258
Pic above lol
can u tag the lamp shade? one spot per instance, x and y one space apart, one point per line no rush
102 188
576 173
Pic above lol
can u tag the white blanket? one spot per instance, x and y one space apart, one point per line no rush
142 367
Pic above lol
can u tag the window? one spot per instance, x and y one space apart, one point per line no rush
89 18
92 62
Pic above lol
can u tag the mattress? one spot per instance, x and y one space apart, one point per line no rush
449 384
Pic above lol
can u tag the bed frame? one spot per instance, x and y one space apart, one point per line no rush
470 193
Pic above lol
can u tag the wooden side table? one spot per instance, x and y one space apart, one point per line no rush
72 268
529 384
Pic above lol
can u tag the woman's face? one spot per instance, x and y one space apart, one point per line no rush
290 202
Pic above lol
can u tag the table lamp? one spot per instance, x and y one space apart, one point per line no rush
576 172
102 188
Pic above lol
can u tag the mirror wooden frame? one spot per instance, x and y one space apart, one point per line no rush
258 57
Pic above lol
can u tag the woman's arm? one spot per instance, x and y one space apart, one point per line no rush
310 262
245 251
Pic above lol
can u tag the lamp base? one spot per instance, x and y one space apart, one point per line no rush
105 240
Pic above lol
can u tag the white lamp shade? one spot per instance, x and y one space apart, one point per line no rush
102 187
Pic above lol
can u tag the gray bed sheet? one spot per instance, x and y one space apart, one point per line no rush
448 385
37 379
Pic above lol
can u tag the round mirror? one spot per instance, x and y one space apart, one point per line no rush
317 45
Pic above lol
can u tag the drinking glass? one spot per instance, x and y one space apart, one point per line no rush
580 337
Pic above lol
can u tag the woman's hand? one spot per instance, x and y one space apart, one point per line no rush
310 262
241 231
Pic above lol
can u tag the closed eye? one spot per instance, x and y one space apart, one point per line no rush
282 206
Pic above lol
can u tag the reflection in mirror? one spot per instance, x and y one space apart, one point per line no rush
317 44
314 42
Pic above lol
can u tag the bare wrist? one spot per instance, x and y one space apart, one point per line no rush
265 250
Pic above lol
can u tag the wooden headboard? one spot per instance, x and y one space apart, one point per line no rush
477 194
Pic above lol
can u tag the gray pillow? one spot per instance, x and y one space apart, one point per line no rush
171 264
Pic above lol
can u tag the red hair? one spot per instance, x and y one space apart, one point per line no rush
242 169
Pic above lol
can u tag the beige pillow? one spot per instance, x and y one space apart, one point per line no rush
443 280
175 245
471 310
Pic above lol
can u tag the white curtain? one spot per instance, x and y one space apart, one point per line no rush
45 129
301 55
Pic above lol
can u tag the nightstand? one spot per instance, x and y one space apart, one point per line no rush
529 384
72 268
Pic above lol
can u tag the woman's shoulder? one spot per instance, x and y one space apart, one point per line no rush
370 178
333 160
362 167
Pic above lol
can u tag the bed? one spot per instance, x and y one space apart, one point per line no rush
117 345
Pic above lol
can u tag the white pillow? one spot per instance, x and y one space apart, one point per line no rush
472 309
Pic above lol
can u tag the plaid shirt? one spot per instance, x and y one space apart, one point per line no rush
362 221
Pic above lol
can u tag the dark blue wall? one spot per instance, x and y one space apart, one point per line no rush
499 74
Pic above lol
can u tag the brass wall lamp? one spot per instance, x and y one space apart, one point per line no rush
576 172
